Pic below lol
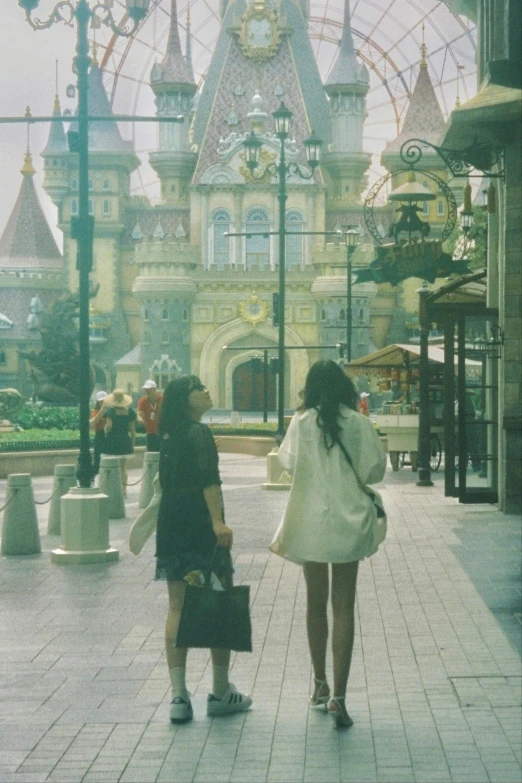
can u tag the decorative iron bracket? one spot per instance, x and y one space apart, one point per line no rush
481 158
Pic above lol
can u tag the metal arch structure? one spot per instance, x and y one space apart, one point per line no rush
389 47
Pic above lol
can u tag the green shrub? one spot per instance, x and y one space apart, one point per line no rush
47 418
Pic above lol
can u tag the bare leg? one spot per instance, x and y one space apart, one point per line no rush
176 656
344 581
317 588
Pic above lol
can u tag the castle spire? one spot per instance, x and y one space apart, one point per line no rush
27 241
56 142
174 69
424 118
188 45
347 72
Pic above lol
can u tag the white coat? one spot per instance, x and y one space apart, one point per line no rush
329 517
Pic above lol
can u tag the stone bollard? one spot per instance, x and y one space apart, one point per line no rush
85 528
150 468
277 478
64 479
110 485
20 534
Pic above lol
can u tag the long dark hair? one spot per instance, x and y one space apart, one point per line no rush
327 387
175 409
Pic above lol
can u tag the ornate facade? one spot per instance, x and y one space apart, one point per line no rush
175 292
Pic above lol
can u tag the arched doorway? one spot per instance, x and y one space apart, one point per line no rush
248 386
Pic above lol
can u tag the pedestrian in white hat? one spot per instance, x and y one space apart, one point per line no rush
149 408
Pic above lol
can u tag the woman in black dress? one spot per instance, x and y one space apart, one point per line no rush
120 430
191 533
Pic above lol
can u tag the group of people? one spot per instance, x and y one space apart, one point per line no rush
114 423
332 517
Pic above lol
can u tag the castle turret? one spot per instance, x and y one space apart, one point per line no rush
55 155
347 87
173 84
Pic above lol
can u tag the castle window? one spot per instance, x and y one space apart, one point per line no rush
55 161
106 207
145 314
221 220
440 208
90 184
164 370
172 188
342 315
165 338
91 207
346 188
323 315
146 337
294 242
74 207
165 314
185 314
3 359
74 184
257 247
424 207
106 184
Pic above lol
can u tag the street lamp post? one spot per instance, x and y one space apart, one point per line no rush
82 227
351 239
282 169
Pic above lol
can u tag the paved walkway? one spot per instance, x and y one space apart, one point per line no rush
434 689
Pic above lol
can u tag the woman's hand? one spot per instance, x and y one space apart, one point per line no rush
223 534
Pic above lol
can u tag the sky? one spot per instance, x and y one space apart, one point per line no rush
28 71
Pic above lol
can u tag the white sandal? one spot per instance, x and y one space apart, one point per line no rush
320 701
339 715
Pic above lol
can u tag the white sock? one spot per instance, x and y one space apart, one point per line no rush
220 681
177 680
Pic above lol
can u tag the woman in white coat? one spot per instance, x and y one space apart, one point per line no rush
332 516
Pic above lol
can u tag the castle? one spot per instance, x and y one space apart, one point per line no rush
177 294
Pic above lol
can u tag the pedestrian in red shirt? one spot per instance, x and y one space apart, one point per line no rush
363 404
149 407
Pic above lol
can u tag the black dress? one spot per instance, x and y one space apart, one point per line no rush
185 540
118 441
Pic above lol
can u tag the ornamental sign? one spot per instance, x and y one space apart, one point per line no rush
259 34
414 258
253 310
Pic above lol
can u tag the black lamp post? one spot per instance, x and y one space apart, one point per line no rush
82 227
351 239
282 169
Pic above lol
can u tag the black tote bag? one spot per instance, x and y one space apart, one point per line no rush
216 618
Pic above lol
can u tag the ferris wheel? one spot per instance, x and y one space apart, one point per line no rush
387 35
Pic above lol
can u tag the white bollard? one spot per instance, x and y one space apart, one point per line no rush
110 485
277 477
20 534
150 468
85 528
64 479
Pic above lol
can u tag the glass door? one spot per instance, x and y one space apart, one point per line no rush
470 403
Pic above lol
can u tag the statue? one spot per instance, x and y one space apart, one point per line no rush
56 373
10 403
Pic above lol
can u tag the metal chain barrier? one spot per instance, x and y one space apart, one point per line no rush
43 502
135 483
14 491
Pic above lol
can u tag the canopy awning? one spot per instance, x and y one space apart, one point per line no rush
399 355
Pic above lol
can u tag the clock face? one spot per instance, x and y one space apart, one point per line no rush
260 32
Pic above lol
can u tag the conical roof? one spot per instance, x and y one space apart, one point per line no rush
103 136
57 142
27 241
424 118
174 69
347 71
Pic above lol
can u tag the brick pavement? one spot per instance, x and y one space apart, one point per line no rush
434 689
